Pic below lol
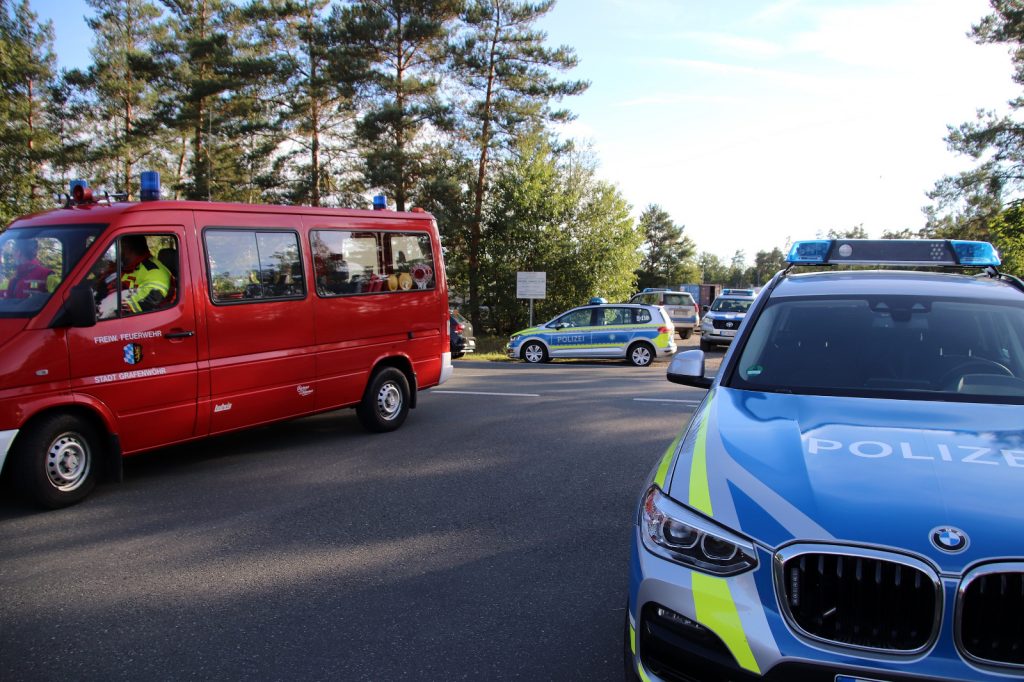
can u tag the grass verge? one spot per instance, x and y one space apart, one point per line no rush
489 349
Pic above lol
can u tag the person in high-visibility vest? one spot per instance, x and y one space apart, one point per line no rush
30 276
145 281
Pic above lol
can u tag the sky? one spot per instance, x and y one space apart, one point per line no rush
758 122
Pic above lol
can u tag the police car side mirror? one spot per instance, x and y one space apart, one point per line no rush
688 369
79 309
704 309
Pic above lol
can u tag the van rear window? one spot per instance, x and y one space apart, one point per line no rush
253 265
348 263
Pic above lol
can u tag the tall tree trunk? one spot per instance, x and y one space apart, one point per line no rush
475 225
128 155
33 186
314 154
400 189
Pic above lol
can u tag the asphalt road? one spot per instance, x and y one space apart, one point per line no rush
485 539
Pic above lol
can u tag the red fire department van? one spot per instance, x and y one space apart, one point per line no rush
238 315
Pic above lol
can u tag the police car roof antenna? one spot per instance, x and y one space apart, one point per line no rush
1014 281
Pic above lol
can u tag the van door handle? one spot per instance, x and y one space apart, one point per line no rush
178 335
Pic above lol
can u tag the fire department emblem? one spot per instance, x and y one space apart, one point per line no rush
132 354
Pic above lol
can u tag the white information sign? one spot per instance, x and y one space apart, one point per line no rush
531 285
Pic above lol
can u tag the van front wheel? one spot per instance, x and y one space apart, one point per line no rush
55 460
385 404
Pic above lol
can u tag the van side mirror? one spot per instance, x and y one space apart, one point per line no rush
687 368
703 309
79 309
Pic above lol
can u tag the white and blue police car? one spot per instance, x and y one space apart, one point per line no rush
846 502
722 320
637 333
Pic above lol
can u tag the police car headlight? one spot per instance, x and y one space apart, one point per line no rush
679 534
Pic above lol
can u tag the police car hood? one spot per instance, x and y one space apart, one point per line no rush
858 470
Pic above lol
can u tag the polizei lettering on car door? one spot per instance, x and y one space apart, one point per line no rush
940 452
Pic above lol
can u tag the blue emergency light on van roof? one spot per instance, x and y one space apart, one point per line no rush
597 300
379 202
149 182
737 292
914 252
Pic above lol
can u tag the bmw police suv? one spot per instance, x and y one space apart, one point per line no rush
845 504
637 333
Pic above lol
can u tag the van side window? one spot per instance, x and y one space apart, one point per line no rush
347 263
253 265
409 259
137 274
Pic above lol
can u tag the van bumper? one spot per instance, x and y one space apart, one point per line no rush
446 368
6 438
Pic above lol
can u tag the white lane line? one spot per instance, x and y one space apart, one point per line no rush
666 400
512 395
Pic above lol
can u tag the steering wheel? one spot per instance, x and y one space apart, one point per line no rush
969 365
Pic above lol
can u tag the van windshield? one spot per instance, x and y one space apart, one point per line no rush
35 260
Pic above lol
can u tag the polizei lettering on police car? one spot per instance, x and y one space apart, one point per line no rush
876 449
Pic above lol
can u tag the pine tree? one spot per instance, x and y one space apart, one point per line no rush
26 143
503 63
122 80
212 80
668 253
312 100
403 43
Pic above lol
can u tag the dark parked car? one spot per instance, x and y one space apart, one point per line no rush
462 335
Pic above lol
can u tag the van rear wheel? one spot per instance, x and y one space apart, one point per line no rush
385 403
55 460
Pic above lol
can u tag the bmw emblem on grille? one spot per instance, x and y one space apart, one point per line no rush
949 539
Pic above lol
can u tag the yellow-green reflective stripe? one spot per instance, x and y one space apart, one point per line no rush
643 673
717 611
666 460
700 494
632 639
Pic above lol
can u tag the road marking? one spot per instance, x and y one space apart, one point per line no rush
512 395
666 400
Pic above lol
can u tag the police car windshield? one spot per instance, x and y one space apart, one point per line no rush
906 347
34 261
731 305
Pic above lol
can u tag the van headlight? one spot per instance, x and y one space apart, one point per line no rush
679 534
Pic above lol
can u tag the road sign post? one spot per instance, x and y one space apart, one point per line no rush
531 285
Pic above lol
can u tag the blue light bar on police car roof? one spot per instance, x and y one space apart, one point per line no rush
919 252
979 254
811 251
